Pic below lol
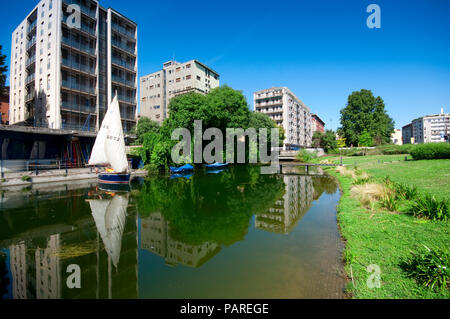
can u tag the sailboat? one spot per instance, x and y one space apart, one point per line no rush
109 216
109 148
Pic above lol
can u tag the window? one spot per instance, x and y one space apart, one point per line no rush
50 6
188 77
178 79
48 82
188 66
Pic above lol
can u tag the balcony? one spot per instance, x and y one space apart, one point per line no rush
127 115
30 78
72 85
127 99
77 66
32 27
76 107
85 48
31 43
124 47
123 81
124 64
30 96
84 9
123 31
30 61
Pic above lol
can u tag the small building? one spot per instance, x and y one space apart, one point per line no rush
407 134
427 129
317 124
396 137
4 106
158 88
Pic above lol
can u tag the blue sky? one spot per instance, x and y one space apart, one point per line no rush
322 49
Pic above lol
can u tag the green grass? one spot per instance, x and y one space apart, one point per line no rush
377 236
429 176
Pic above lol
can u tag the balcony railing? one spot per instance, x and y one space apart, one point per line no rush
124 63
31 43
123 30
73 106
84 9
30 60
78 66
77 86
118 79
30 78
127 99
30 96
32 26
79 46
123 46
127 115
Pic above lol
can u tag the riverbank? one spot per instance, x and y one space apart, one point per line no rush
25 179
376 236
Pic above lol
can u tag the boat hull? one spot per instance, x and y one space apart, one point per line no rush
216 165
110 178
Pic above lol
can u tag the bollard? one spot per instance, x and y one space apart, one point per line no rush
406 158
1 167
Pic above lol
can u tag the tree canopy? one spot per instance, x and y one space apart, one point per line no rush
3 70
365 113
326 140
145 125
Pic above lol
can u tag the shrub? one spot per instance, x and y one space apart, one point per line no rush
404 191
429 207
26 178
362 180
430 268
431 151
391 149
305 156
388 201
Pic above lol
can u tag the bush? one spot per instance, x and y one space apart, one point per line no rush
391 149
26 178
430 268
404 191
305 156
429 207
431 151
388 201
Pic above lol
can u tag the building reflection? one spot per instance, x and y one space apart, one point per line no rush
155 238
108 258
290 208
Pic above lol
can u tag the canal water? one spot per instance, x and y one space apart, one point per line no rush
221 234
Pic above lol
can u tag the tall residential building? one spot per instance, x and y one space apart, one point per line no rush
317 124
174 79
66 64
288 111
428 129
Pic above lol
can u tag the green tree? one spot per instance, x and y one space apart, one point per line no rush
3 70
145 125
341 142
365 139
326 140
364 112
260 120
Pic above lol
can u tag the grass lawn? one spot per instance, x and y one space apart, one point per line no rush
376 236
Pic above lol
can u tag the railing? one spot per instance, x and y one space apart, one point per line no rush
118 79
124 98
77 107
31 43
77 86
78 66
127 115
123 30
77 45
30 61
77 127
30 78
84 9
123 46
30 96
124 63
32 26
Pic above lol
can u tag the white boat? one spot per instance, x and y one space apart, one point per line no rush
109 148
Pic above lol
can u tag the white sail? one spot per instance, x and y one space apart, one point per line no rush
109 216
109 147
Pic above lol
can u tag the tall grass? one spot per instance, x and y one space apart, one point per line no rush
428 206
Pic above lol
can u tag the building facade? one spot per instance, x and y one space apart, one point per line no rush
317 124
174 79
68 59
288 111
4 107
396 137
428 129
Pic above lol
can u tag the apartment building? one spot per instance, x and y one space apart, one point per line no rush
317 124
396 137
174 79
288 111
68 58
428 129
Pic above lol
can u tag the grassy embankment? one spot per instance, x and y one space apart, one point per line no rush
375 235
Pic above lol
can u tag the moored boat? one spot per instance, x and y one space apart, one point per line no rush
216 165
182 169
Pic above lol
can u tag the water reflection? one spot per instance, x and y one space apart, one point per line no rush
184 223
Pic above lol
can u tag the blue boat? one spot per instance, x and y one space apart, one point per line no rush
182 169
114 178
214 171
187 176
216 165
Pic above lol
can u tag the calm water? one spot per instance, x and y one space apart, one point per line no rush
228 234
